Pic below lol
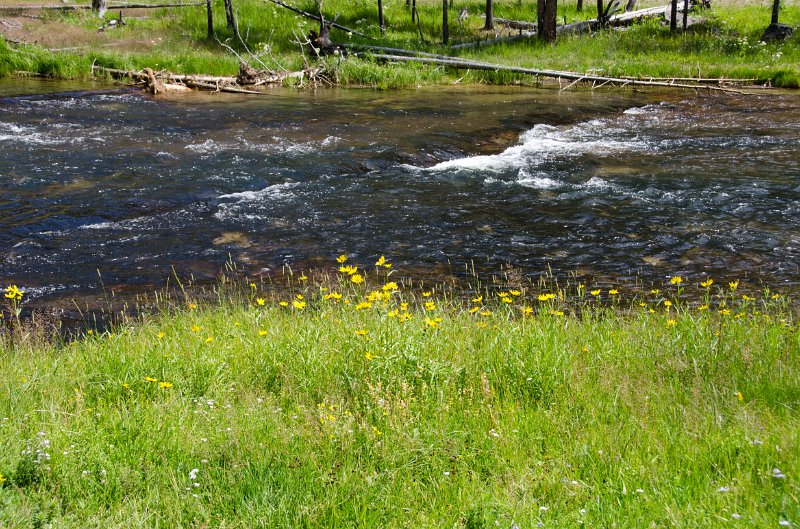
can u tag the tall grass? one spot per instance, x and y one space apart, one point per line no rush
335 403
725 46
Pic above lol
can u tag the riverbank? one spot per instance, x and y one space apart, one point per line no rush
350 400
726 45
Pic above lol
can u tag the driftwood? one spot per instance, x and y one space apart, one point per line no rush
160 82
317 17
557 74
622 19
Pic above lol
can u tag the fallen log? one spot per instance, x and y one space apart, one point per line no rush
557 74
516 24
618 20
317 18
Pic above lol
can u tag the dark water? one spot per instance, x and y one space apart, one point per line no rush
603 183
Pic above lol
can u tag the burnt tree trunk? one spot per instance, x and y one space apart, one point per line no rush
413 11
673 16
489 15
579 7
231 19
776 8
210 20
98 6
685 14
445 28
600 14
546 11
380 14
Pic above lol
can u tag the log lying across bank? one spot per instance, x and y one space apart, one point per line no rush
109 7
528 29
161 82
455 62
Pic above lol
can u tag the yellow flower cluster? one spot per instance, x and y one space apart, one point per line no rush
14 293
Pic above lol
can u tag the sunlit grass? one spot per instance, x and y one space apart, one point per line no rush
350 397
726 47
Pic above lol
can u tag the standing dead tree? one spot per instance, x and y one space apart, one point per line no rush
546 19
445 28
231 20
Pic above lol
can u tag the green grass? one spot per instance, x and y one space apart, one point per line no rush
726 47
608 410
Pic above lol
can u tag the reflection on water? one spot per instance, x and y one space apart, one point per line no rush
604 183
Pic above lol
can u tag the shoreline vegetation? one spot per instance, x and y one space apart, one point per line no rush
354 399
724 44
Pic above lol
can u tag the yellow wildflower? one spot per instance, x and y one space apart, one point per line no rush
303 277
557 312
707 283
478 299
192 306
430 305
473 310
195 328
260 301
676 280
486 312
161 335
613 291
390 286
209 339
514 293
3 478
164 385
262 333
283 303
655 291
775 296
361 332
404 307
349 270
526 311
364 305
725 312
427 294
434 324
341 259
667 303
381 261
253 286
357 279
150 379
671 323
733 284
393 313
299 305
547 297
506 300
595 292
739 396
376 431
300 297
745 297
369 355
14 293
333 295
702 307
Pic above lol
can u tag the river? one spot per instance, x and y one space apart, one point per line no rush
106 187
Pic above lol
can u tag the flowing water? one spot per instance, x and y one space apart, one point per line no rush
114 184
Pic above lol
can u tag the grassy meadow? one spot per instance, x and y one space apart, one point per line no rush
351 398
175 39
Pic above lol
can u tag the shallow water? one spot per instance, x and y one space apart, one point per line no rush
113 184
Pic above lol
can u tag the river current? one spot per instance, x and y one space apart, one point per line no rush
112 186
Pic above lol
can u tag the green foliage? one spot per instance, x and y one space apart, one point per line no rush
726 45
563 406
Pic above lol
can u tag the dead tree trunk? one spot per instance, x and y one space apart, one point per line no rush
600 13
776 8
380 14
489 15
445 28
673 16
579 7
546 11
685 14
210 20
231 19
98 6
413 11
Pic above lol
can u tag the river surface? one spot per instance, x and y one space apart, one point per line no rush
113 184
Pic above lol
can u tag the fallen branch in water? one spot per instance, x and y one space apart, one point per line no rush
159 82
